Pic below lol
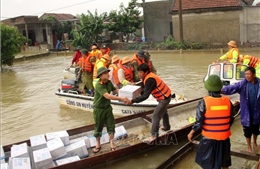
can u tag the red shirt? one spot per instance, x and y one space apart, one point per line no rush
76 57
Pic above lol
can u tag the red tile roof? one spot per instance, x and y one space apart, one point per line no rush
203 4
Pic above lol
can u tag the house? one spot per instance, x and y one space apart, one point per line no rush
36 31
217 21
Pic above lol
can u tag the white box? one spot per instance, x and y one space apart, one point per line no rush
2 155
120 132
77 149
4 166
42 158
130 91
38 142
62 134
21 163
67 160
103 140
85 138
56 148
20 150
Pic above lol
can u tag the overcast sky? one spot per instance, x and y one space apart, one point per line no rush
13 8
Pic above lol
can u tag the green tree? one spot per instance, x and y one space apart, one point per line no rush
11 42
89 29
127 20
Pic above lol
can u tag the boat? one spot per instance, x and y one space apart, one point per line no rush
70 73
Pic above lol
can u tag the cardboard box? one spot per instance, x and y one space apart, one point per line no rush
61 134
20 163
103 140
4 166
38 142
42 158
130 91
20 150
2 155
77 149
85 138
56 148
120 132
67 160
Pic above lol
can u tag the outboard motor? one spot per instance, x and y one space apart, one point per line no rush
69 84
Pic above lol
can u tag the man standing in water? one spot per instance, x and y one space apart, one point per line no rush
249 90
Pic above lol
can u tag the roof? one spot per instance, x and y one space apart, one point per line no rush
206 4
22 20
60 16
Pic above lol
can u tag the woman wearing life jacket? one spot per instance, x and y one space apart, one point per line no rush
214 116
233 53
154 85
251 61
113 74
125 72
137 60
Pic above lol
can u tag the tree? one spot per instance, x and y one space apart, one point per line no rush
127 20
11 42
89 29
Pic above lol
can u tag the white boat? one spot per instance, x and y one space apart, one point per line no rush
74 100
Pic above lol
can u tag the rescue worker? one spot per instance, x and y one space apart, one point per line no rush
249 91
147 59
154 85
251 61
113 74
102 62
86 72
125 72
137 60
102 113
95 51
214 116
76 56
233 53
104 50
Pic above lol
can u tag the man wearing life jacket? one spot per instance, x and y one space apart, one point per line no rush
214 116
76 56
113 74
104 50
95 51
102 62
154 85
86 67
233 53
147 59
137 60
251 61
125 72
249 91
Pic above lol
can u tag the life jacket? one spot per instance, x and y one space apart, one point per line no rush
139 62
85 64
95 53
128 73
230 54
162 90
107 52
253 61
115 73
103 61
217 118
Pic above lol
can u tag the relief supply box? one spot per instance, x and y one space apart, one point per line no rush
56 148
4 166
85 138
20 150
2 155
120 132
77 149
61 134
130 91
42 158
103 140
20 163
38 142
67 160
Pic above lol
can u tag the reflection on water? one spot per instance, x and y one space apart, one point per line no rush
30 107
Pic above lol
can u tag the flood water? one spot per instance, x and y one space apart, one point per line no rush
29 106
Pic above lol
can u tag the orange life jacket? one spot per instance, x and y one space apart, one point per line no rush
128 73
107 52
230 54
139 62
103 61
162 90
85 64
254 61
217 118
115 73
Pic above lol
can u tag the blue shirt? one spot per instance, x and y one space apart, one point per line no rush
252 97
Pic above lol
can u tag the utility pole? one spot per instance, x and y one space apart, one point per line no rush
180 21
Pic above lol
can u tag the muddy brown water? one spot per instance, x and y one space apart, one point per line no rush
29 105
